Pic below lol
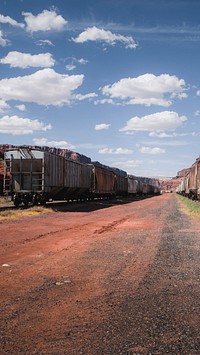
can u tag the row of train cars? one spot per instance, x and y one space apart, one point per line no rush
33 176
190 184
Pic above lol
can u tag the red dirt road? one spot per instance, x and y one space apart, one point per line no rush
105 278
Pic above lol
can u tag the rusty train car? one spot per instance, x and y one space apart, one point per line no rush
33 176
190 184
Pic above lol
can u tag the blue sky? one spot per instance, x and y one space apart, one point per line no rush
115 80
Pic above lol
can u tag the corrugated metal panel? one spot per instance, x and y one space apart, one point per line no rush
76 175
183 186
121 184
187 184
193 178
133 185
144 188
65 176
104 181
198 178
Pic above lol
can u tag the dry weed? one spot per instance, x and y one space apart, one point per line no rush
10 214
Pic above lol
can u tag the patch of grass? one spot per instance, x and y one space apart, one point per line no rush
192 207
11 215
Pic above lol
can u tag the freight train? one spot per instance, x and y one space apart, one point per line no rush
190 184
33 176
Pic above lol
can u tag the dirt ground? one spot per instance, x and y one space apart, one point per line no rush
104 278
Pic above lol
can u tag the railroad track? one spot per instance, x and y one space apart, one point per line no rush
64 205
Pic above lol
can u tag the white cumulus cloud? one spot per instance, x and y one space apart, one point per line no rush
21 107
70 67
17 125
10 21
56 144
147 89
172 135
44 87
44 42
47 20
162 135
101 126
106 101
114 151
82 61
129 164
74 61
3 106
160 121
154 151
98 34
3 41
26 60
88 96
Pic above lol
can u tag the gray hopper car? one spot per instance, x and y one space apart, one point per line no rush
34 176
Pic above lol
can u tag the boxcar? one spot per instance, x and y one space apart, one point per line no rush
36 176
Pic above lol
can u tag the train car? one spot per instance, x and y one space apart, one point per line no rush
121 183
190 184
140 187
156 190
151 189
183 187
147 189
102 182
1 184
1 173
198 178
133 185
156 184
194 180
108 181
35 176
149 186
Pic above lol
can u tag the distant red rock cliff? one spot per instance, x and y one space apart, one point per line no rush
170 184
